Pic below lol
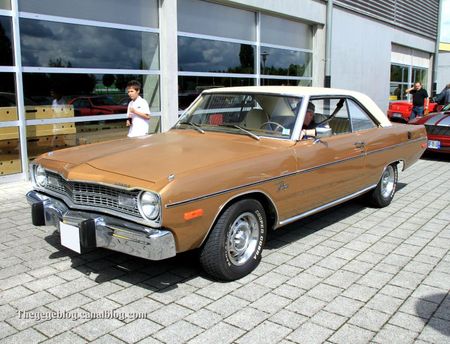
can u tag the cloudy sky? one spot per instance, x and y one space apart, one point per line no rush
445 21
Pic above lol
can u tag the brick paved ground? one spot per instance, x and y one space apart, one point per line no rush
349 275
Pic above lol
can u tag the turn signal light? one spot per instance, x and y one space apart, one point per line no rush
193 214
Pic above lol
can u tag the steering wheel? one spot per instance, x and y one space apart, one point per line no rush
272 126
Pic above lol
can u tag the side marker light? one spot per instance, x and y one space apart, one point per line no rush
193 214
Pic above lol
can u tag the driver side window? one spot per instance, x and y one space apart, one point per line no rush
332 112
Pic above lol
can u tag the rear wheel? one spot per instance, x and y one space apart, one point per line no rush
383 194
233 248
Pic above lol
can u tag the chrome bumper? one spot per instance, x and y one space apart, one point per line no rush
105 231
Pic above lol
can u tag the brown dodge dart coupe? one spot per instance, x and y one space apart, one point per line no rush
239 162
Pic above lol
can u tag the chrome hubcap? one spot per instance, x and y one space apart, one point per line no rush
387 182
242 238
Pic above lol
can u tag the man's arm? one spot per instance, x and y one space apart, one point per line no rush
409 89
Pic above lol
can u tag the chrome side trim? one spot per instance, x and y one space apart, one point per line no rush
307 170
396 145
325 206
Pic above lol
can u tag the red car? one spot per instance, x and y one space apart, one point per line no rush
438 129
96 105
401 111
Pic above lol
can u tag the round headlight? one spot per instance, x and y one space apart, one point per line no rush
149 205
40 176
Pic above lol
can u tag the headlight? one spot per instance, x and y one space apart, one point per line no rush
149 205
40 176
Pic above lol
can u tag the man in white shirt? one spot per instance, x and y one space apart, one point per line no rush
138 111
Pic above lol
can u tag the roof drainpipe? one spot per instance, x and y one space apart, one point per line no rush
436 54
328 28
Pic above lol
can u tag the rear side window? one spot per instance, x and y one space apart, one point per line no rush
359 118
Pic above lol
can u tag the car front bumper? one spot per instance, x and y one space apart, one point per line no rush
97 230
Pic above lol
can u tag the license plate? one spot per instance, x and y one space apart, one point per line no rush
70 237
434 144
397 115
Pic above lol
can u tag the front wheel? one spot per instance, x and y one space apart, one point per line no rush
383 194
233 248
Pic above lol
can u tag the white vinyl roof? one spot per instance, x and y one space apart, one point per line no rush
307 92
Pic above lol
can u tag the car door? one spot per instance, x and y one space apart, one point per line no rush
329 168
373 140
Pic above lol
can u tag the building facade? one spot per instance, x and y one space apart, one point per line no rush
64 65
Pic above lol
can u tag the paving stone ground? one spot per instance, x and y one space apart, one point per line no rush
351 274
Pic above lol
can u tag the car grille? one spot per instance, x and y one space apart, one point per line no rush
437 130
95 196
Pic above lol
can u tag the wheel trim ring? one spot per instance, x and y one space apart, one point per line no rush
242 238
387 182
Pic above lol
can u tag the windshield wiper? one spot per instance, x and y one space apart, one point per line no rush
249 133
194 125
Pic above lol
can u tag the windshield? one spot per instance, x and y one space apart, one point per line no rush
247 114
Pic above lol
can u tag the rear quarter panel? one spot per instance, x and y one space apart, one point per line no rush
400 142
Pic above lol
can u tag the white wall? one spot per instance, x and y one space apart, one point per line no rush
443 74
312 11
361 53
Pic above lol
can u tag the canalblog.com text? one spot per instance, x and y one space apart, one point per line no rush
107 314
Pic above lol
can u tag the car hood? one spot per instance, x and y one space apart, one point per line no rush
153 158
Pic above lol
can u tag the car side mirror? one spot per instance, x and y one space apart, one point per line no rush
322 132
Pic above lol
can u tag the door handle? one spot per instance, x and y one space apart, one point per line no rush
360 144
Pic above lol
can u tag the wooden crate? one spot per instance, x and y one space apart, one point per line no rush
10 164
8 113
9 133
51 129
48 111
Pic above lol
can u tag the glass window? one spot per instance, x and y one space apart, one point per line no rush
420 75
48 137
285 62
142 12
251 114
216 20
191 86
397 91
285 32
51 44
360 119
5 4
65 95
7 93
285 82
10 162
399 73
204 55
399 82
333 113
6 46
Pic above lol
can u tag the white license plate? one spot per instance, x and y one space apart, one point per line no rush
70 237
397 115
434 144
